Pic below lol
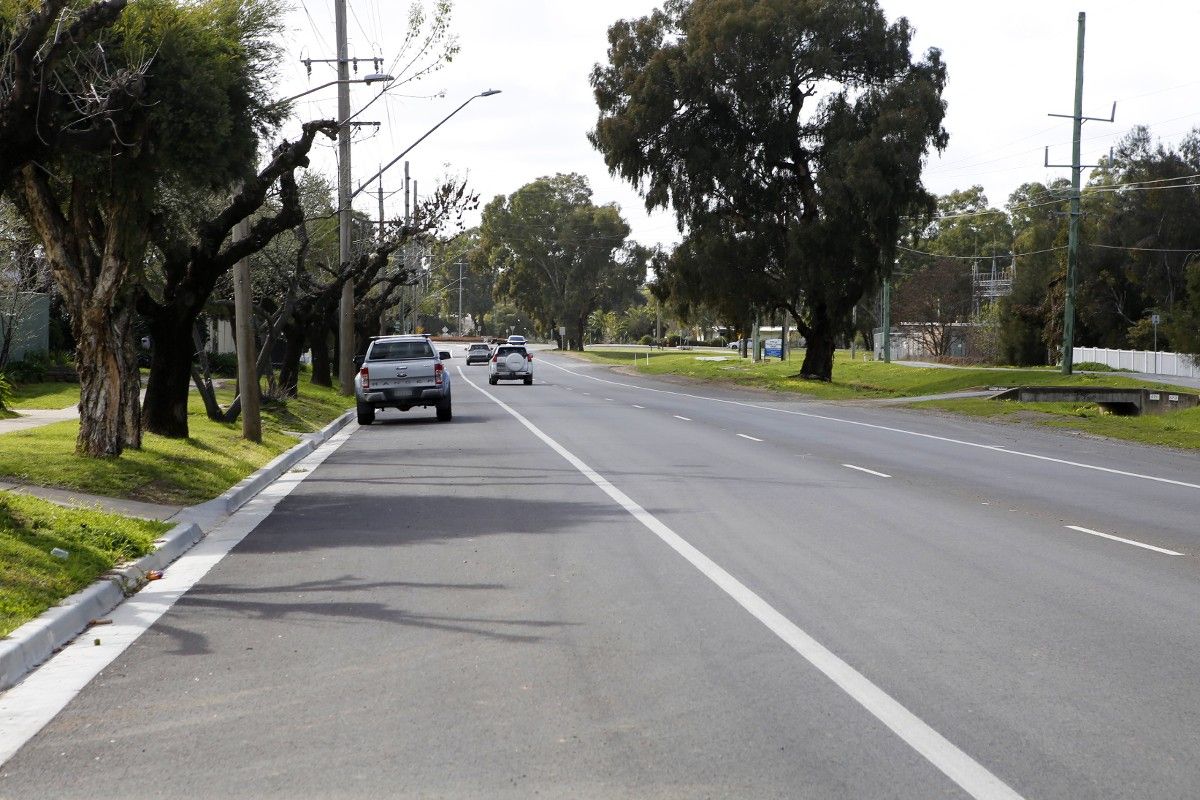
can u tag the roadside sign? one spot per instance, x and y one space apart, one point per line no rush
1154 319
773 347
562 330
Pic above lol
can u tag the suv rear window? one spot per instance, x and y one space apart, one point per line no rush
399 351
505 349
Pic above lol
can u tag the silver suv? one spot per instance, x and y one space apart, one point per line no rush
511 362
401 372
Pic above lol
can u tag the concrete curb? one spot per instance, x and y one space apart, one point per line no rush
35 641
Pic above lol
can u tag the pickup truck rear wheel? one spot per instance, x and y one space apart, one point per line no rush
366 413
444 412
492 380
529 380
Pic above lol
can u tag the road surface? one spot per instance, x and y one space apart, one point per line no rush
604 586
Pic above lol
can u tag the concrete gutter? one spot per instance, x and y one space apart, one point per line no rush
35 641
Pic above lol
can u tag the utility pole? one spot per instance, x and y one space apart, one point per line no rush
346 308
460 284
243 302
1073 226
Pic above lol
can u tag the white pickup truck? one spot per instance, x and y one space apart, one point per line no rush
401 372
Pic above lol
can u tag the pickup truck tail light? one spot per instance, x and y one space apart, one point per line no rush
439 370
366 378
495 359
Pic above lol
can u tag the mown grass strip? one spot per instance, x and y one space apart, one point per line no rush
168 471
32 579
52 395
856 380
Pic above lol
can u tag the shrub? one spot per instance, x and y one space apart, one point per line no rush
646 340
6 391
223 365
31 369
674 340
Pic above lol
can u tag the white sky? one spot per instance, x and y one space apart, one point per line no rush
1010 63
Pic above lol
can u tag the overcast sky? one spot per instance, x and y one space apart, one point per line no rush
1010 63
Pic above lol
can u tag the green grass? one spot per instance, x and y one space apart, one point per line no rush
32 580
852 379
168 471
44 395
1173 429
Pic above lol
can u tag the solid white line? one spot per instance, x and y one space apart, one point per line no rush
996 448
27 707
635 405
1126 541
751 438
868 471
685 419
609 399
969 774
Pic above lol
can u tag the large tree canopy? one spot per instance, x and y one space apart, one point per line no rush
186 116
558 256
788 136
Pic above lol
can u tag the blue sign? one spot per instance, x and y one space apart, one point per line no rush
773 347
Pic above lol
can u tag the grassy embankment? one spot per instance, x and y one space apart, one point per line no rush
170 471
32 580
856 380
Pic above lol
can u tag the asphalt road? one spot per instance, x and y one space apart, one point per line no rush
612 586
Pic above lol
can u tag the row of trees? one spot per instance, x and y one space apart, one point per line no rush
1139 256
130 140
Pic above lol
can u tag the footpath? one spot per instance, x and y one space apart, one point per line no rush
35 641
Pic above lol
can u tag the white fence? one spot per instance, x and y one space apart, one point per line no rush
1140 361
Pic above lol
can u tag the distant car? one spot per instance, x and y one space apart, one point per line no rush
479 353
516 340
736 344
511 362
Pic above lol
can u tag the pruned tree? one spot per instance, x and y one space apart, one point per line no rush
191 115
191 264
787 135
39 111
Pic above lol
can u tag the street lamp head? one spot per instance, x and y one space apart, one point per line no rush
489 93
376 76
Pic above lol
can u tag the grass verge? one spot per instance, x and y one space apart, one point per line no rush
44 395
851 379
1174 429
32 580
168 471
856 380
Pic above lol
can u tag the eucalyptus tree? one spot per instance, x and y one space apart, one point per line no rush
787 135
558 257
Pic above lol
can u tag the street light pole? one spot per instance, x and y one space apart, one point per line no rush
346 307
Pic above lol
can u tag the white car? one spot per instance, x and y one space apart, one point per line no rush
517 340
511 362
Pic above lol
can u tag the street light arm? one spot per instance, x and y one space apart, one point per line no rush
408 149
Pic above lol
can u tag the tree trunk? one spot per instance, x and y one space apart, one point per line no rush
818 356
580 327
319 343
165 410
289 371
109 383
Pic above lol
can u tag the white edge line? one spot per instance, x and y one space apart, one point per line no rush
27 707
751 438
1126 541
997 448
635 405
965 771
868 471
685 419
